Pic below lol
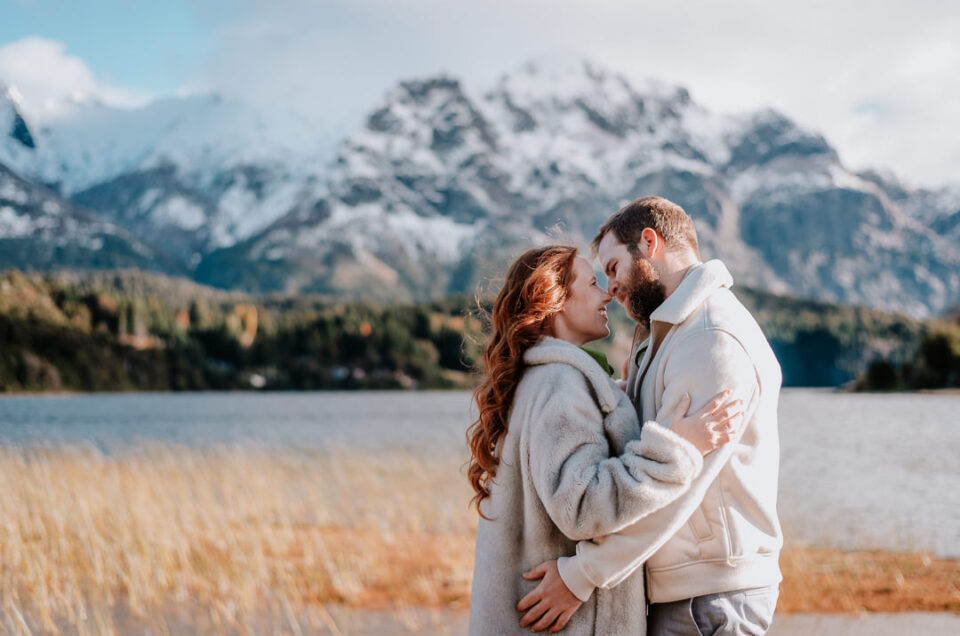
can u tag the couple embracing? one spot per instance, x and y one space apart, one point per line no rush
640 506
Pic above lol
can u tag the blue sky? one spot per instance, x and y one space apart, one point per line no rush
150 47
879 79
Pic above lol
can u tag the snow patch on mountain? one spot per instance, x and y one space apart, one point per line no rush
12 192
12 224
180 212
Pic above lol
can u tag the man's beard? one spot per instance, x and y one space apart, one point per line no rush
645 292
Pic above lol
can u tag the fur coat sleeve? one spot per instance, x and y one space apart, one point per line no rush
587 485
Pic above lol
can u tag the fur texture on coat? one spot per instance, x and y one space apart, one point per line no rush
573 465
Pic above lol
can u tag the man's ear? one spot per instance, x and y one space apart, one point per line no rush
650 243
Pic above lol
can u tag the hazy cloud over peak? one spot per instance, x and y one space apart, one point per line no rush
878 79
48 79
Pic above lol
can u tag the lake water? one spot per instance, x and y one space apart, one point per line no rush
857 471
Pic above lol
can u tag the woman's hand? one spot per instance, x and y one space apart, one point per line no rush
550 604
712 426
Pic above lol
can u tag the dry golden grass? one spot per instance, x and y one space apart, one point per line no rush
230 529
832 582
236 534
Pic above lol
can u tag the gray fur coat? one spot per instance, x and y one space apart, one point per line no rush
573 466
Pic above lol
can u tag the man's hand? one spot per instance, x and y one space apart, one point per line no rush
551 604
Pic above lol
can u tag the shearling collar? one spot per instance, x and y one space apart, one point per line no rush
550 349
699 283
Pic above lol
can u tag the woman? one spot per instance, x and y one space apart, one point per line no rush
557 451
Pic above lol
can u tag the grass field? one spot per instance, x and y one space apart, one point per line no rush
247 539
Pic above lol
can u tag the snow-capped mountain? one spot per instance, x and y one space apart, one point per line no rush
442 185
17 144
39 229
192 173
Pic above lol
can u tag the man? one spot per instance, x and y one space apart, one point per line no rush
711 557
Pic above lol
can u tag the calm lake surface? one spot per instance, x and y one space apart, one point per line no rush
857 471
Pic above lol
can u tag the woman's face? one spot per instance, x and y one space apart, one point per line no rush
584 314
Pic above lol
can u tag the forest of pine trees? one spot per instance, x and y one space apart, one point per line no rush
126 330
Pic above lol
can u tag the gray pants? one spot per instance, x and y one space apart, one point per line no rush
739 613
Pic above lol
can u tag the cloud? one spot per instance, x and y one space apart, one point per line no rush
912 107
878 80
818 61
49 80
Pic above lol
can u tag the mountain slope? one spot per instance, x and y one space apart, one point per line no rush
442 185
194 173
38 228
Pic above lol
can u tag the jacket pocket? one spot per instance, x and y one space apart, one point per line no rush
700 526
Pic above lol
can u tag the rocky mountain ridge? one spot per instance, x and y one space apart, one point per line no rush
442 185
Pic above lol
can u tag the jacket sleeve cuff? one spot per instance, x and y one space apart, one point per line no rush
689 459
574 577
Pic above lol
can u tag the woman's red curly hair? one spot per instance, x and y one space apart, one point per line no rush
535 289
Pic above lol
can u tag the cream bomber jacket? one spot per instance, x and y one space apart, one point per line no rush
723 534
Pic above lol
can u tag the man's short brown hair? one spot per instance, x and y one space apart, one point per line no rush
663 216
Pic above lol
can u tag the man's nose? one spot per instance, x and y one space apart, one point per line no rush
612 287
